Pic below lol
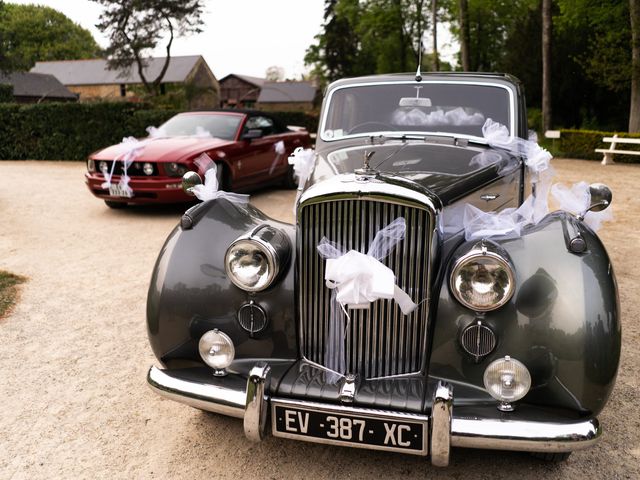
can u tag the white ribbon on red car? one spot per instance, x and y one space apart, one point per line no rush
280 150
132 150
356 280
210 189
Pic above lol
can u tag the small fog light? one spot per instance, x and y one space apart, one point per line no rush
216 349
147 168
507 380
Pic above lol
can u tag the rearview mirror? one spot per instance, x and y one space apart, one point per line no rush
252 134
414 102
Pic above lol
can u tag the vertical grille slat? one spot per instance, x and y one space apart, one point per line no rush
380 341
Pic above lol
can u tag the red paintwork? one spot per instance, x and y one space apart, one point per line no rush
247 162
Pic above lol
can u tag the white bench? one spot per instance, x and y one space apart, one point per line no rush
608 152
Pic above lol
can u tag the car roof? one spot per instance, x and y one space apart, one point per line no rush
432 76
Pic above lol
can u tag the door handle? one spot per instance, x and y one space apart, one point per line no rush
487 197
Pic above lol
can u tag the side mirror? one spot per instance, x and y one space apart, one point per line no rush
190 180
252 134
600 198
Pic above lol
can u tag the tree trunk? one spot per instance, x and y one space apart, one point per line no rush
546 64
434 22
634 111
465 57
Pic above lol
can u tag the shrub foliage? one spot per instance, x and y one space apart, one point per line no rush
582 144
71 131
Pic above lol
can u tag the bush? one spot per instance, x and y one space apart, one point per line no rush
582 144
6 93
71 131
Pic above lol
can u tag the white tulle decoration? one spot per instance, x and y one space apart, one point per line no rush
210 189
577 199
154 132
280 150
356 280
132 148
303 161
201 133
417 117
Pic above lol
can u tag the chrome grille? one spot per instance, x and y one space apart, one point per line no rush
380 341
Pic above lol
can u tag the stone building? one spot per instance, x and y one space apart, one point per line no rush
288 96
92 80
37 88
240 91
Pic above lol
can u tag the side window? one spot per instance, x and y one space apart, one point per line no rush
263 123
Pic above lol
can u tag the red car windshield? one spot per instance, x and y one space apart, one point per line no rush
216 125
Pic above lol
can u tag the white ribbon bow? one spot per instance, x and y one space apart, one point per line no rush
356 280
133 149
210 189
303 161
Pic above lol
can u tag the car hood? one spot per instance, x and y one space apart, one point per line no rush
169 149
448 171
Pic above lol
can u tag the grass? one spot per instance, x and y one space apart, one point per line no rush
8 291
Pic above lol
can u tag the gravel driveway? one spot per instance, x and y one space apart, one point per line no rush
74 353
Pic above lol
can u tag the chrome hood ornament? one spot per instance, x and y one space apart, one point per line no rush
366 171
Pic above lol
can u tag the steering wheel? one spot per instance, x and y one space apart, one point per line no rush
364 127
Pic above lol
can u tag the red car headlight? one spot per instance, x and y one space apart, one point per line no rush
174 169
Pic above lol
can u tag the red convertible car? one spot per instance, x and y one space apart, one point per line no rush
250 149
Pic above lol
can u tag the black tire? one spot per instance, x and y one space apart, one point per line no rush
115 205
290 181
552 457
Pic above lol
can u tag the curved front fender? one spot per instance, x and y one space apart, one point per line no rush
562 321
190 292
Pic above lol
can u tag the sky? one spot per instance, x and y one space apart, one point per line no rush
240 36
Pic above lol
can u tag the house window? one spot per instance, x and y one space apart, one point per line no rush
123 90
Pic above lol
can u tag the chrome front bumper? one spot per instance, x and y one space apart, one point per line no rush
248 399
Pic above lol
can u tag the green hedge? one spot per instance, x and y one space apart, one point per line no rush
582 144
6 93
71 131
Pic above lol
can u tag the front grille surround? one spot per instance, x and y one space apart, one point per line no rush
380 342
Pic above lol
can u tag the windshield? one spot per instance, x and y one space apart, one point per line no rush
215 125
415 107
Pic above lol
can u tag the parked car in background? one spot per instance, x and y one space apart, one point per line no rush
250 149
384 319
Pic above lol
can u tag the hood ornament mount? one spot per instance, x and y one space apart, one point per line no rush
366 172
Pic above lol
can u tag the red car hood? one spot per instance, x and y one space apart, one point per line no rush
164 149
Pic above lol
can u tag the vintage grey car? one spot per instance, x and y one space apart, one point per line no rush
499 340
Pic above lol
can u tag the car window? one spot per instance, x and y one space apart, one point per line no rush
411 107
216 125
259 122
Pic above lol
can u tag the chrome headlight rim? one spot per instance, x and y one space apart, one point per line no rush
478 252
272 262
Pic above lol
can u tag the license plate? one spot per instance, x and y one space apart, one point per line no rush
117 190
355 427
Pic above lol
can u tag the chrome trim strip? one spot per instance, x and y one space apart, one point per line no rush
257 404
346 184
524 436
345 410
323 122
441 414
221 395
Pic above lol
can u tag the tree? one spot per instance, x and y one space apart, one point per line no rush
136 27
546 64
274 73
434 30
464 36
32 33
634 111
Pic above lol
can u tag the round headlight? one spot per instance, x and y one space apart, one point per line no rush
482 280
216 349
251 264
103 166
91 165
507 380
147 168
